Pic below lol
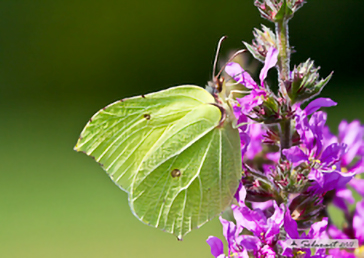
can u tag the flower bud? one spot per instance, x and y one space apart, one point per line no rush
305 209
305 82
276 10
269 111
263 40
257 186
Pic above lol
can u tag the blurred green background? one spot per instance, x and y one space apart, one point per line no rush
61 61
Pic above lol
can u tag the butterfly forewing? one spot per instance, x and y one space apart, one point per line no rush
120 135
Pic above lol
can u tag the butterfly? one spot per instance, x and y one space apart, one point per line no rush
175 152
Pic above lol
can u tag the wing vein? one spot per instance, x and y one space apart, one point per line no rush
182 149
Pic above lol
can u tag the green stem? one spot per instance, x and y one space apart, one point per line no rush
286 134
283 77
284 55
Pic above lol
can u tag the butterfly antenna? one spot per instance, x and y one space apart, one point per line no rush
216 56
230 59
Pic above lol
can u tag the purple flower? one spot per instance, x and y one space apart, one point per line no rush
352 161
265 230
243 77
258 92
352 134
251 134
255 98
323 161
317 231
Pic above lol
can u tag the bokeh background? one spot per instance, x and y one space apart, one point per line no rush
61 61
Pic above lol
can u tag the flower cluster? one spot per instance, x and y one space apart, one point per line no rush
353 229
293 166
264 225
264 230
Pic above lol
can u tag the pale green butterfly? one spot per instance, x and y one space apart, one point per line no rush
175 152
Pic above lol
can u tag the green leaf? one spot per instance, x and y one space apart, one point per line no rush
168 151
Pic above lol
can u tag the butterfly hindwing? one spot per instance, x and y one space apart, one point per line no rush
170 152
209 173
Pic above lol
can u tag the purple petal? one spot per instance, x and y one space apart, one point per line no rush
333 153
358 185
243 119
317 176
287 251
358 222
270 61
250 243
339 253
275 222
253 221
346 195
341 198
316 127
295 155
335 233
237 111
240 76
337 179
262 205
340 203
268 252
278 214
334 180
217 247
273 156
351 134
319 103
248 102
229 231
256 136
290 225
244 142
358 167
329 138
318 229
240 195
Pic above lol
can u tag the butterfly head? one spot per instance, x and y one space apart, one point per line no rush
216 86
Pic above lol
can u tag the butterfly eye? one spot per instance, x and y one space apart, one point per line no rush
176 173
147 116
